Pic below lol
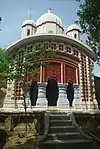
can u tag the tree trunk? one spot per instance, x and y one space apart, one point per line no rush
25 107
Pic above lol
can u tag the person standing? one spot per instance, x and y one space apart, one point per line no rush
33 92
70 93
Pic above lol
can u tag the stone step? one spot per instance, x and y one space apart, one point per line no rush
59 117
66 141
80 145
60 122
69 144
58 113
56 129
65 136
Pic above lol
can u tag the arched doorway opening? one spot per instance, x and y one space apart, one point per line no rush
52 91
33 92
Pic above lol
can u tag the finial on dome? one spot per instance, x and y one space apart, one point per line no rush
50 10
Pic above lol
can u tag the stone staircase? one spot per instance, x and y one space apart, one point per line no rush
63 134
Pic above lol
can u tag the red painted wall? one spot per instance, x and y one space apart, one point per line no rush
53 70
70 74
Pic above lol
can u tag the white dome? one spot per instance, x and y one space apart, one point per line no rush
73 27
29 22
49 17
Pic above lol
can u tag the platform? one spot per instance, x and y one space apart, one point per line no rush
49 109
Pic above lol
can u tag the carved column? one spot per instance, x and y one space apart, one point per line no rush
88 82
81 82
76 75
62 74
42 101
95 104
41 73
76 101
62 100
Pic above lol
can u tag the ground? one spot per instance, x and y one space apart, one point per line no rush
12 127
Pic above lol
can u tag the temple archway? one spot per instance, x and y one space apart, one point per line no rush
33 92
52 91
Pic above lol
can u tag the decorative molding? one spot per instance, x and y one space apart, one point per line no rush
45 37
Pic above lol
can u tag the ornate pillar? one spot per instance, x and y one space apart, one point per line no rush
88 82
81 82
62 74
95 104
62 100
76 101
76 75
41 73
41 101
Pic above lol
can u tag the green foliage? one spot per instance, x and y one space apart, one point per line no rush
11 68
14 68
89 19
30 64
4 65
3 62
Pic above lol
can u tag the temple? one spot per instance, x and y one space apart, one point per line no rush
74 61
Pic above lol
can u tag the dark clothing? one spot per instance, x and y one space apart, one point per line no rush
70 94
33 93
52 92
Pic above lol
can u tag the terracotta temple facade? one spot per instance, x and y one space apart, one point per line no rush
74 60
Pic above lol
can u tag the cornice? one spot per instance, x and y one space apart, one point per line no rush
54 37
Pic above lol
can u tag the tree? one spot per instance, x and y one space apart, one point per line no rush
21 69
89 19
3 74
3 68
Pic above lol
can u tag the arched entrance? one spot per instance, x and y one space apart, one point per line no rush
52 91
33 92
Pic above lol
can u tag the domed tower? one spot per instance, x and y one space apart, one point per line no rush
49 23
28 28
74 31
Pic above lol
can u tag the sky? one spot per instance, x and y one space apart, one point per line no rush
14 12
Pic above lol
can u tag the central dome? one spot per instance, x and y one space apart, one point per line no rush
49 17
49 23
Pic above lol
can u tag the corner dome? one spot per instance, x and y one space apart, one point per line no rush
73 27
49 17
29 22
